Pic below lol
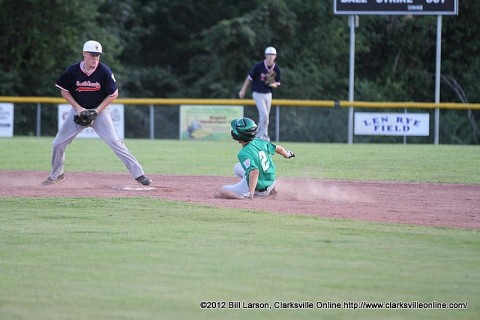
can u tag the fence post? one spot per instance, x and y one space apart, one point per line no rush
352 23
39 119
152 122
277 123
437 78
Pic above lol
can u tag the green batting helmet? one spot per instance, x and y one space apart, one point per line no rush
243 129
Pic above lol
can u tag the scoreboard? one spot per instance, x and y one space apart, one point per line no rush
400 7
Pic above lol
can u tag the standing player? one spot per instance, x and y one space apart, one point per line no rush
256 168
90 84
265 76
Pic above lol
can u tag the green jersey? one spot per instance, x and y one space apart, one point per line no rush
257 154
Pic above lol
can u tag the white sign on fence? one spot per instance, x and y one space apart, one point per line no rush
116 112
6 119
392 124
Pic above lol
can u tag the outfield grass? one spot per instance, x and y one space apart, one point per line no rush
140 258
147 259
393 162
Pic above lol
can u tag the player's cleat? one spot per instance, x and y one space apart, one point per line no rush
50 181
273 193
146 181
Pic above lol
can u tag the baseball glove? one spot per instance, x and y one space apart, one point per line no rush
85 118
270 78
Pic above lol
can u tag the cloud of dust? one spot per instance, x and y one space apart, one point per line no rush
316 190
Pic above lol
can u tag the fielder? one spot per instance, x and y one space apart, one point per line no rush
256 168
264 76
90 87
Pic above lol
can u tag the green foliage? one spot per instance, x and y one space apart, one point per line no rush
397 65
38 44
204 49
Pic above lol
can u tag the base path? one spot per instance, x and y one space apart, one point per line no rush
427 204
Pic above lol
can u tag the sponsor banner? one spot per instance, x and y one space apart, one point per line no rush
6 119
116 113
400 7
392 124
207 122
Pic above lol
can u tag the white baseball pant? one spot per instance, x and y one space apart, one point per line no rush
264 104
103 126
240 190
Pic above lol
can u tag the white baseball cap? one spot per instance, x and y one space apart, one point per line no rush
93 47
271 50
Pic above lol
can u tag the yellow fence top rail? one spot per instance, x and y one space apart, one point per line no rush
179 101
275 102
420 105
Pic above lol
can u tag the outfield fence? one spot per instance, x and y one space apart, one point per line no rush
325 121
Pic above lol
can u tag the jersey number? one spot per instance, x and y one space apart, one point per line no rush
264 160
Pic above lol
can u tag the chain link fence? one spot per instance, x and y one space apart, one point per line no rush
296 124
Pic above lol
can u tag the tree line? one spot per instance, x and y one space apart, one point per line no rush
205 48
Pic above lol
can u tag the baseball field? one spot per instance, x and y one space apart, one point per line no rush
362 231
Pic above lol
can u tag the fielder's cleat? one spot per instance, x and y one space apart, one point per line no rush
50 181
146 181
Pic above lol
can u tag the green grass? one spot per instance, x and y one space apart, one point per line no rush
147 259
393 162
143 258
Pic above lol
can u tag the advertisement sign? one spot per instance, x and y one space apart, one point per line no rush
207 122
391 7
6 119
116 112
392 124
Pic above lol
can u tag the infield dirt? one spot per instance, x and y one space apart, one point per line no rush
426 204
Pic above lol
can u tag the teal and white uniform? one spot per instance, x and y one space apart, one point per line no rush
257 154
